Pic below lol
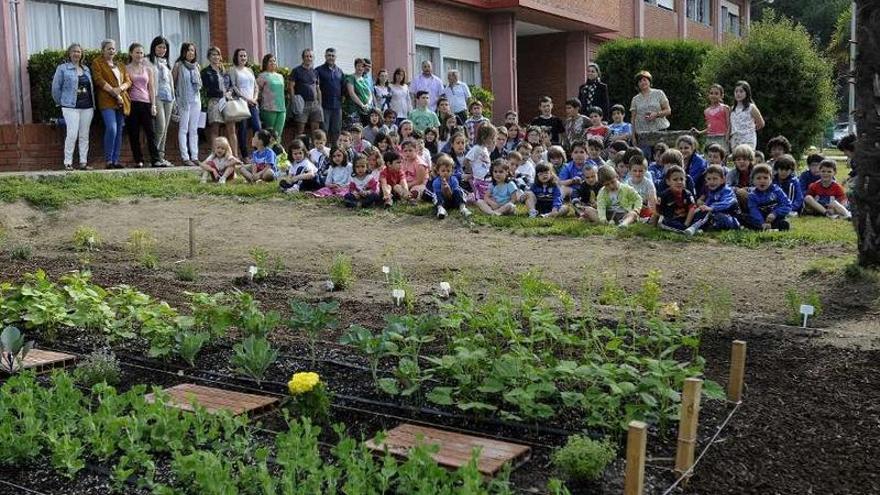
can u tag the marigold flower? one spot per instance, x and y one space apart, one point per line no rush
301 383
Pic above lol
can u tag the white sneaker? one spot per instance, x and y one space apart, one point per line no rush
221 180
533 213
464 211
441 212
690 231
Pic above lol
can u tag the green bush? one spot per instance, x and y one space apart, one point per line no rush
484 96
792 84
673 66
583 459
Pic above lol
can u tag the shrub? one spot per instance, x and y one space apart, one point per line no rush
142 245
186 272
100 366
791 82
583 459
86 239
484 96
341 272
673 66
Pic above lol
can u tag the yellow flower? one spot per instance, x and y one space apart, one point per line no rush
304 382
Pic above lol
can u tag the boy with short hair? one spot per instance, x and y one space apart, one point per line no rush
522 171
811 174
717 155
476 120
392 182
639 180
785 179
575 123
571 175
546 119
778 146
619 130
617 202
676 205
595 145
319 153
586 196
358 143
344 143
767 203
447 190
302 173
719 209
510 118
739 178
826 196
669 159
655 167
421 116
597 128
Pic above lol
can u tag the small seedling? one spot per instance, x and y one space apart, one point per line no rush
186 272
13 349
86 239
341 273
142 245
21 252
267 266
99 366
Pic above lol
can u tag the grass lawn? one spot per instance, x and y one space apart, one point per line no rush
56 192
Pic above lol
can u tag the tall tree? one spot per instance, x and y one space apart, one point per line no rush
866 190
818 16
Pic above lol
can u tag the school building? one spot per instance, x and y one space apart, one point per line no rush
519 49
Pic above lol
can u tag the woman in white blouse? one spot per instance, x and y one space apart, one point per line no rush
400 98
244 84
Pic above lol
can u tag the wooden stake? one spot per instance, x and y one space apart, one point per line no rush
636 441
192 238
737 371
687 427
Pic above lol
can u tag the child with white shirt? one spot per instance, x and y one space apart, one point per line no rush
302 173
522 171
477 161
336 181
319 153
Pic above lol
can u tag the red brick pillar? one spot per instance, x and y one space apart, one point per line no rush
246 27
502 64
217 26
576 54
716 21
399 33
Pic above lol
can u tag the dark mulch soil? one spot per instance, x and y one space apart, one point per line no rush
810 422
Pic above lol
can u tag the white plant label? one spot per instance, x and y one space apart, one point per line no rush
252 272
386 270
807 310
398 295
444 289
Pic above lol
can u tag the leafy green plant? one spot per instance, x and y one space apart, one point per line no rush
612 293
584 459
267 266
142 245
309 396
190 343
341 273
213 313
86 239
14 349
312 320
648 296
253 356
716 306
399 280
21 252
794 299
187 272
375 346
100 366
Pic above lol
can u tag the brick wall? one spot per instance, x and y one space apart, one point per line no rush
536 79
601 13
41 147
217 26
660 23
444 18
627 20
701 32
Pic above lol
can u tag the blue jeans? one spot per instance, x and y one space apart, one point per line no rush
332 124
241 128
114 123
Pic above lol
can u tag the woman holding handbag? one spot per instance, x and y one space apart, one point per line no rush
164 94
187 88
111 86
244 84
218 89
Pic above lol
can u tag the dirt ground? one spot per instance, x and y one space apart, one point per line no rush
809 401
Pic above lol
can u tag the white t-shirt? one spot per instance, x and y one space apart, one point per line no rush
246 82
400 100
478 156
645 188
526 170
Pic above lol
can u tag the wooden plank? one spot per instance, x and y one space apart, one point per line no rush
41 360
455 449
214 399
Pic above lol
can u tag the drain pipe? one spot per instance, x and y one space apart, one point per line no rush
17 65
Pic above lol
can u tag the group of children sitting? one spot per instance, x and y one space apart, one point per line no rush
601 179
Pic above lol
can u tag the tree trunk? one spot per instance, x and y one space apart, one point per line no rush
866 190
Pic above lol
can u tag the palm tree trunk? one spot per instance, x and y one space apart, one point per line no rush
866 190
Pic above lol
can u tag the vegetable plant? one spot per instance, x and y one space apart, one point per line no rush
86 239
312 320
341 273
142 245
267 266
189 344
584 459
253 356
100 366
14 349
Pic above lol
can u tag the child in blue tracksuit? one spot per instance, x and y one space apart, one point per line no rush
545 196
446 188
694 164
811 174
767 203
720 208
785 179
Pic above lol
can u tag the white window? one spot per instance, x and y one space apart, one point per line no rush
698 10
55 25
286 40
290 30
730 19
446 51
145 22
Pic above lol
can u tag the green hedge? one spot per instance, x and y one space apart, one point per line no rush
792 84
673 66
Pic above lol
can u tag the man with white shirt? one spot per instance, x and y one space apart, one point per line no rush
458 94
427 81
